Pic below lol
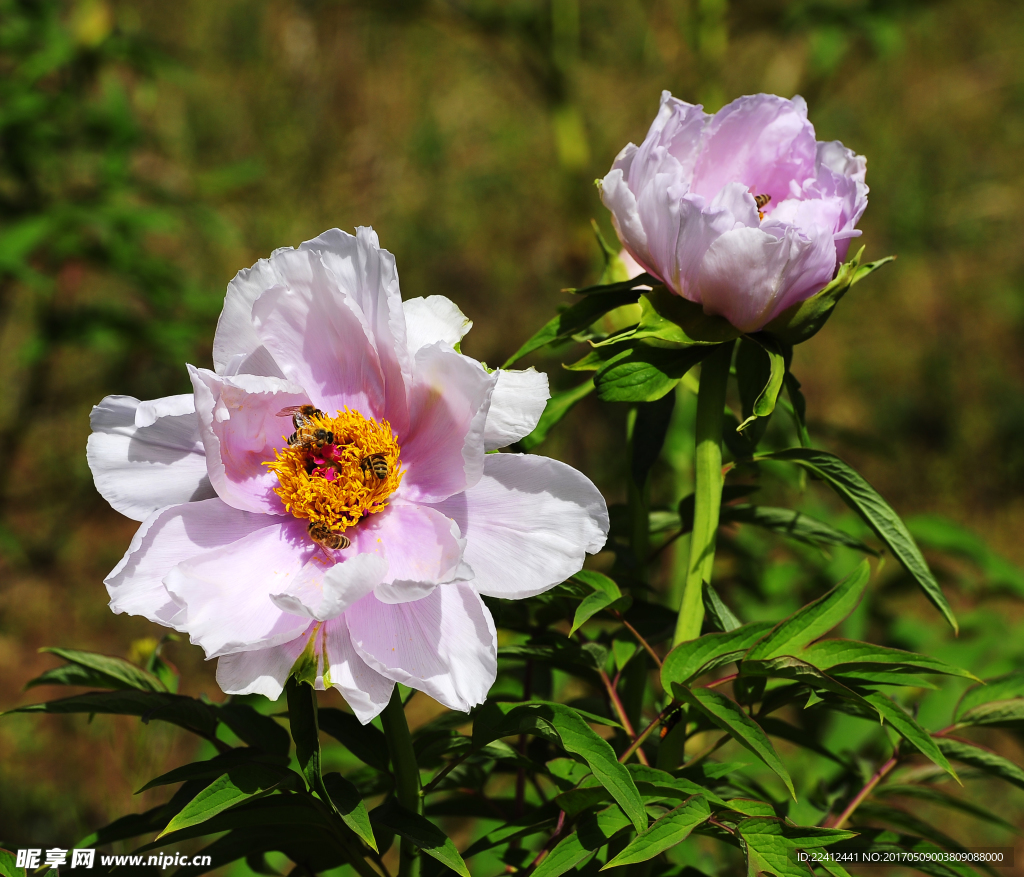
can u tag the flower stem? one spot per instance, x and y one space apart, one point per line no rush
869 787
407 775
707 489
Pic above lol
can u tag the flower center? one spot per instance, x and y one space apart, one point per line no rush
336 470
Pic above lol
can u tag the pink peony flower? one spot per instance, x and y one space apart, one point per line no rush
743 211
367 539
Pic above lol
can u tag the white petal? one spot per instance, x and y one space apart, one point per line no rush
528 524
262 671
241 426
139 468
444 644
236 347
226 592
165 539
319 595
517 403
364 689
432 319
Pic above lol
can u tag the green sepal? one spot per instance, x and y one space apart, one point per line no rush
803 320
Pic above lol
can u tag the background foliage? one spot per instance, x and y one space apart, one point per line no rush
147 151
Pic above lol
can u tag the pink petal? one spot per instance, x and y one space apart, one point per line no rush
321 592
528 523
762 141
165 539
444 645
672 145
320 343
147 455
236 347
421 545
444 448
241 426
368 279
366 691
226 592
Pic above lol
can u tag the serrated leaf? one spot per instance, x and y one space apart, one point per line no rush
557 407
815 619
796 525
239 784
365 742
577 738
349 805
982 759
1005 687
730 718
694 657
672 828
255 729
186 712
574 319
422 833
908 728
645 374
847 654
592 833
855 491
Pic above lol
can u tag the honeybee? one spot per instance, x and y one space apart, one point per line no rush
376 463
761 201
307 433
326 538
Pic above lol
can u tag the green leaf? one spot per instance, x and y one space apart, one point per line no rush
8 865
589 606
592 833
815 619
702 655
1000 713
618 286
720 615
540 819
1005 687
770 379
804 319
577 738
213 767
599 582
790 667
365 742
943 799
672 828
772 845
796 525
849 654
982 759
302 717
557 407
349 804
186 712
574 319
102 671
421 832
910 730
240 783
255 729
876 513
671 321
644 374
730 718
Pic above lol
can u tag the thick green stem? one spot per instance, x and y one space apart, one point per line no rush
707 490
407 776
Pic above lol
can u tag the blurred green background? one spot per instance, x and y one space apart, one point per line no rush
149 150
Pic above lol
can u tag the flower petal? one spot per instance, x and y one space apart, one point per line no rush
444 449
444 644
236 347
368 279
320 343
226 592
432 319
748 275
165 539
141 467
422 546
320 594
261 671
517 403
241 426
365 690
528 524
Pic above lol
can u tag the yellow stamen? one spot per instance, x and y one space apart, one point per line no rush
334 483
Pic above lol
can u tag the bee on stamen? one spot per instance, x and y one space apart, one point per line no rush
326 538
307 434
376 463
